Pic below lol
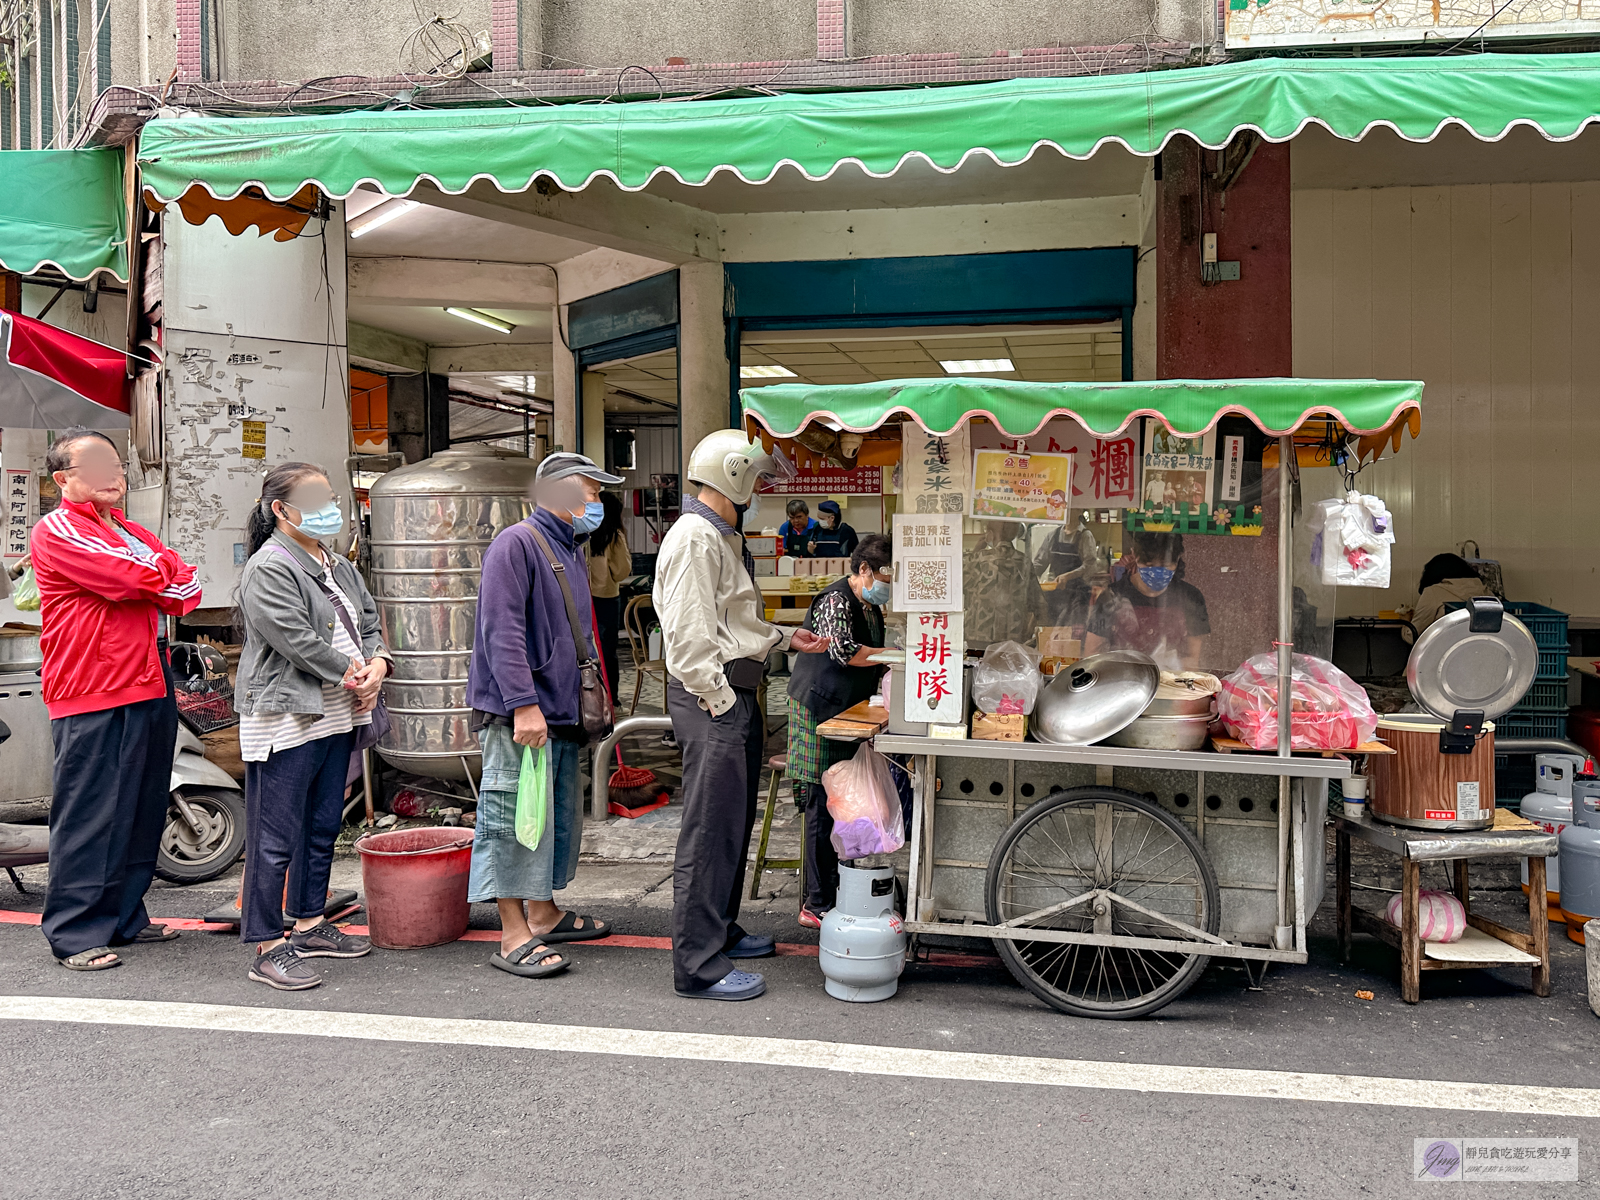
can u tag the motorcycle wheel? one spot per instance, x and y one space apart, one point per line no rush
189 857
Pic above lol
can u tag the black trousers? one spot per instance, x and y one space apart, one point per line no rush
113 777
721 773
822 860
293 804
608 620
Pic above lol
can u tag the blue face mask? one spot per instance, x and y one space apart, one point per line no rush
878 592
593 513
325 522
1157 579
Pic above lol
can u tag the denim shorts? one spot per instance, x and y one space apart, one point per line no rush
503 867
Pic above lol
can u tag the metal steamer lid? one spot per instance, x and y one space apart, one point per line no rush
1476 659
1095 698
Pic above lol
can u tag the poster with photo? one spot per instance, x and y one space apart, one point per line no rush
1177 471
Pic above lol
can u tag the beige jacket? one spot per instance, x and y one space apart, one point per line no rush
711 611
1430 605
608 570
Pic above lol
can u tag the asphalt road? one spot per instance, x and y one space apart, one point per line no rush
148 1111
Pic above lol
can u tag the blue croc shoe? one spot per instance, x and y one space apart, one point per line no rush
753 945
735 985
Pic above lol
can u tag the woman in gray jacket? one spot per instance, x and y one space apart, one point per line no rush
309 675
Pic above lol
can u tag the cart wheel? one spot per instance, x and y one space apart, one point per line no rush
1073 843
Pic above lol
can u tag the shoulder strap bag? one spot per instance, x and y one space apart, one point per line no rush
594 701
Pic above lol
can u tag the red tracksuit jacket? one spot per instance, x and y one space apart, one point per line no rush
100 603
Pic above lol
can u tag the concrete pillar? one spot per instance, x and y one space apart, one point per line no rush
564 434
1237 328
703 384
530 34
419 415
594 416
504 34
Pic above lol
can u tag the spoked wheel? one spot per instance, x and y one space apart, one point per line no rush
1103 861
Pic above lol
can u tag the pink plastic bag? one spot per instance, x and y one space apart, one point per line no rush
864 805
1328 709
1441 917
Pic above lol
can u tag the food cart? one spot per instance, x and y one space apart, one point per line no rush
1107 876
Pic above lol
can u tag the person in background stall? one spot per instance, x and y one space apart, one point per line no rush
850 615
1071 557
104 585
310 672
1151 607
798 530
999 589
832 537
1446 579
610 562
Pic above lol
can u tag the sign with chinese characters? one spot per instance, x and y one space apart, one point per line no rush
1177 470
1232 468
1008 486
934 645
253 439
1105 472
19 512
829 481
933 470
927 563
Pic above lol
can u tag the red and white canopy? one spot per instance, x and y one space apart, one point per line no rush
52 379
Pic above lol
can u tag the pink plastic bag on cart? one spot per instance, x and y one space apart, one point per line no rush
1328 710
864 805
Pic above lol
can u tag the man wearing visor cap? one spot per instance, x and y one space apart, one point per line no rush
716 640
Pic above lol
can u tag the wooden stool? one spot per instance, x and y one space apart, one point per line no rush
779 763
1475 951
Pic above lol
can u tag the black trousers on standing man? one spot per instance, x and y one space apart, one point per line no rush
113 778
721 774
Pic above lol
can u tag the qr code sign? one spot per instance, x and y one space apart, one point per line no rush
927 579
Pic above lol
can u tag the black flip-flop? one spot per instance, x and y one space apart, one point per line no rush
84 960
516 963
566 929
156 933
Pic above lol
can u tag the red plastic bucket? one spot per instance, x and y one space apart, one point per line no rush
416 886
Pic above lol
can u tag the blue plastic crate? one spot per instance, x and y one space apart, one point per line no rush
1531 725
1553 665
1548 626
1545 696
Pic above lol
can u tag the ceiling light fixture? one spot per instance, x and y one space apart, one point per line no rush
975 366
480 318
380 214
766 371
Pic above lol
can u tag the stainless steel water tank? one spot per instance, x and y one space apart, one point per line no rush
431 522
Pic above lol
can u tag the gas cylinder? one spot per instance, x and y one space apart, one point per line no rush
863 944
1551 808
1580 857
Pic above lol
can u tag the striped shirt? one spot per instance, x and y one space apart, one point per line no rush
261 734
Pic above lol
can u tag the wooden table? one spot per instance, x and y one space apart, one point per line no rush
856 724
1414 847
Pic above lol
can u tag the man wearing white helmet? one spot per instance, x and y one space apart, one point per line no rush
716 640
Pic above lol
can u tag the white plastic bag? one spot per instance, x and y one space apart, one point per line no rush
1351 540
864 805
1006 680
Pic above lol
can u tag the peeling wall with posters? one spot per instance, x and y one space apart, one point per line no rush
256 375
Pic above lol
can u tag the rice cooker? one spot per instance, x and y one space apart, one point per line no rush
1466 669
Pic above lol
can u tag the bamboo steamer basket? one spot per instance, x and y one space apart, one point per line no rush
1421 788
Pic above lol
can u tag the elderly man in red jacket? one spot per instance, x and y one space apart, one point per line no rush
103 584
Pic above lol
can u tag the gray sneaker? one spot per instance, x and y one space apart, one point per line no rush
281 968
327 940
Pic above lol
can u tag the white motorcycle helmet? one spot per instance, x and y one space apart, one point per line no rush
735 466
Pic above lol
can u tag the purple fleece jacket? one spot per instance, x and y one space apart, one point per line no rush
522 650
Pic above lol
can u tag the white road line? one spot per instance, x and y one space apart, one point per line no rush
826 1056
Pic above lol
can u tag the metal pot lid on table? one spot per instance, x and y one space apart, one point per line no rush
1097 697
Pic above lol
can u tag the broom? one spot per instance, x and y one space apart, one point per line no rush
631 791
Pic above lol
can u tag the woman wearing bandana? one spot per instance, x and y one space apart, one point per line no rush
1151 608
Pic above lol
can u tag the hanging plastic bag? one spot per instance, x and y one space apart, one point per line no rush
864 806
1327 710
1351 540
535 792
25 592
1006 680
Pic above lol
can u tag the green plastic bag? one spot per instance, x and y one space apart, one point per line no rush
25 592
535 789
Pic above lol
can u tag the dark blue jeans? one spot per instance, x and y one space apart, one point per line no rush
113 772
293 803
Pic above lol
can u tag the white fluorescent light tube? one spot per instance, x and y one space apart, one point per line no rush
380 214
479 318
975 366
761 371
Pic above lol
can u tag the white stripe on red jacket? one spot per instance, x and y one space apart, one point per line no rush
101 605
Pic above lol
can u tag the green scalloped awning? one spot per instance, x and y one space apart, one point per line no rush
633 142
1188 407
63 209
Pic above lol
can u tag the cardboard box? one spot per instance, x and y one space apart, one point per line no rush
995 727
